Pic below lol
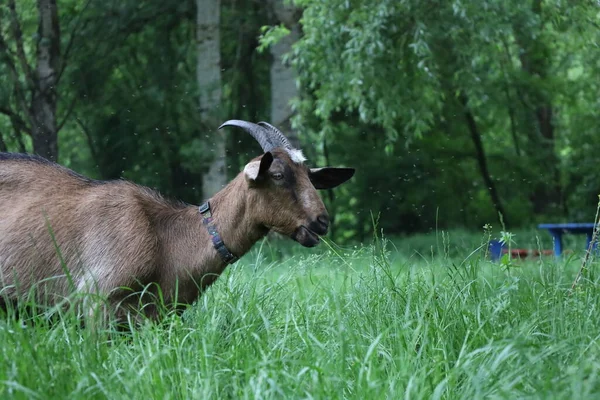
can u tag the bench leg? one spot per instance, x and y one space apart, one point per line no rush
557 236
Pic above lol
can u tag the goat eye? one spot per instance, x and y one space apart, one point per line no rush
277 176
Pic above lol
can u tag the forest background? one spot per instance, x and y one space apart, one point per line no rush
453 112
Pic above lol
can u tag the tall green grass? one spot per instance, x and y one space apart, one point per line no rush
364 322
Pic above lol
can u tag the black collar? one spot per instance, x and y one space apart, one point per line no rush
217 242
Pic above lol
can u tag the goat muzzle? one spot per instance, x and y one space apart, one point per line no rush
308 236
305 237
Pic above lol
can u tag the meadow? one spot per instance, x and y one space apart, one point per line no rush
423 317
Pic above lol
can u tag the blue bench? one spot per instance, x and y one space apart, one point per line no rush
557 230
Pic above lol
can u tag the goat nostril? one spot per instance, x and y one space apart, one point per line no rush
323 219
320 225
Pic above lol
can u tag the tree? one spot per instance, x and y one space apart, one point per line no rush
35 95
209 84
283 75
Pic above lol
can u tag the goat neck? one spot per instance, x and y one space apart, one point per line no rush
186 247
233 217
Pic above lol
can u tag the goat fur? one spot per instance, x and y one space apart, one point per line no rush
61 232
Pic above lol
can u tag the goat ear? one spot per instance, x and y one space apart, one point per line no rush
257 169
328 178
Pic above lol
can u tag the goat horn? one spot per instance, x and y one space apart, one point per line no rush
268 139
284 141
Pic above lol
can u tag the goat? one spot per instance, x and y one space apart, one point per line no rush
62 233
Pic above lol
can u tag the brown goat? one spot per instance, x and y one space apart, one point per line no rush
62 233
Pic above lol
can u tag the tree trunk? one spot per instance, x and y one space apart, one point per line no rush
208 73
482 160
44 131
283 76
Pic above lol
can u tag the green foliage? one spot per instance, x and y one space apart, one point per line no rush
271 35
400 70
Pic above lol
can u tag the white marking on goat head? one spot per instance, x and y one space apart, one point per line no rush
296 155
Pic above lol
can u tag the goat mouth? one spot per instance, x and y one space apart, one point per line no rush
305 237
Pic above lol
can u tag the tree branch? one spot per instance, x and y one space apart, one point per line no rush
18 125
15 119
481 157
81 23
14 75
89 138
18 36
19 138
67 115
